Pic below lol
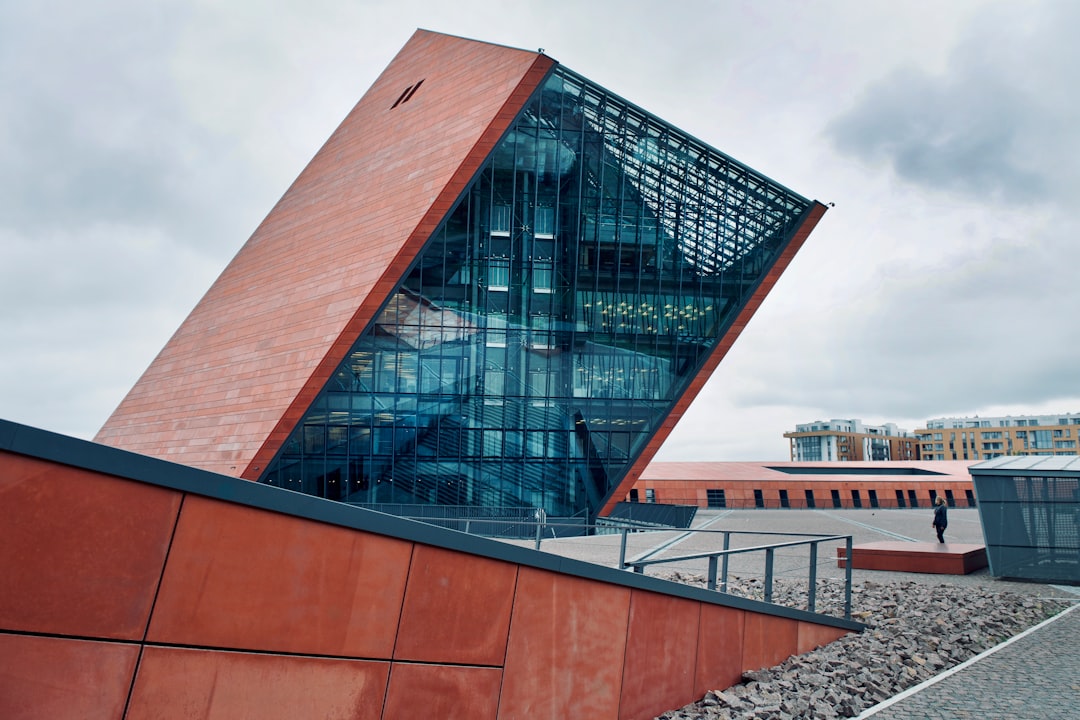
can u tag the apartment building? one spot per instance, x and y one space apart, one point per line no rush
985 438
851 439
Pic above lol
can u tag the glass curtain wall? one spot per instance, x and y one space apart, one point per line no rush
553 319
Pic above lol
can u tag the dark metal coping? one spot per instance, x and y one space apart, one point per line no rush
867 471
66 450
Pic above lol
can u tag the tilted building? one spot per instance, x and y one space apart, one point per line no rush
496 284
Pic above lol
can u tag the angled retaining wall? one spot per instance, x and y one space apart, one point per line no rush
139 588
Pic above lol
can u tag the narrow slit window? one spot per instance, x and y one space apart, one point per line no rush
407 94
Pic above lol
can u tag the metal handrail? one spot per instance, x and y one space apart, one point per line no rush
715 558
769 550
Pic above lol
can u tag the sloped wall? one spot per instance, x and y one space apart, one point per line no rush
137 588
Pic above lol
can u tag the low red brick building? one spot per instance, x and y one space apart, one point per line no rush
805 484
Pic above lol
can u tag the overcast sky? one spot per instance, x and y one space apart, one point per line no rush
141 143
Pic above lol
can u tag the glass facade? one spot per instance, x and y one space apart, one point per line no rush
553 319
1031 523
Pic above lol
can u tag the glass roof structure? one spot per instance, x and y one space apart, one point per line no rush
552 321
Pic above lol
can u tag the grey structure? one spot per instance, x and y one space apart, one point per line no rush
1030 512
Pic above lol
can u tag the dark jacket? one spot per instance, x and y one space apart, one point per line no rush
941 518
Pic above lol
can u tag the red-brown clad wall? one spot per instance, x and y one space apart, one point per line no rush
270 615
244 365
195 683
46 678
81 553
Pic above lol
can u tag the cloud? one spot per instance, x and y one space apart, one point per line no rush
141 143
996 124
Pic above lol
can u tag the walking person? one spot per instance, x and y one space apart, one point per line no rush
941 518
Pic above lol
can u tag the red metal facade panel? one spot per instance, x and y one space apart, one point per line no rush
445 692
720 641
82 553
817 210
457 608
44 678
768 640
250 584
259 345
185 684
813 636
566 650
661 649
245 578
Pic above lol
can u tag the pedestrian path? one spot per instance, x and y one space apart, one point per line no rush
1031 676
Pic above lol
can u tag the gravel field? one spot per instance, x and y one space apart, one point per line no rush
916 630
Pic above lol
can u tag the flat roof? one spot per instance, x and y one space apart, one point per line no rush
884 470
1039 463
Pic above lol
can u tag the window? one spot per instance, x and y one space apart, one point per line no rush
716 498
499 274
545 223
810 499
1064 444
784 499
836 499
543 276
495 383
900 499
650 495
873 498
500 220
759 499
913 498
538 384
856 499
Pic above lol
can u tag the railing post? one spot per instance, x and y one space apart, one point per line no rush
723 571
768 574
622 551
712 572
847 580
813 577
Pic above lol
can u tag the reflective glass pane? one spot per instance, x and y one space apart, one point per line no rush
552 320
